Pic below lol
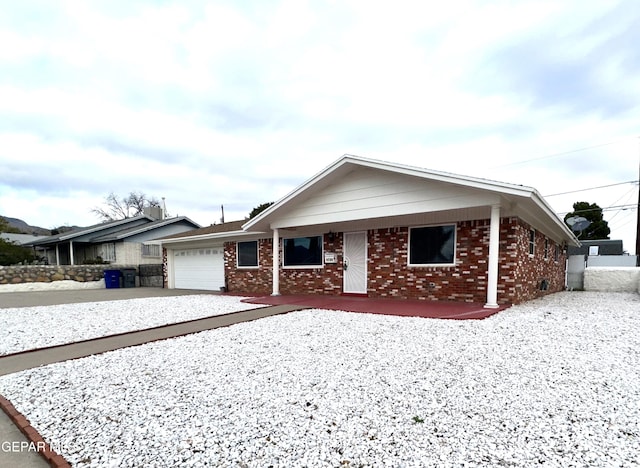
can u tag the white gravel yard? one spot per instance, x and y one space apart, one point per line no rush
554 382
36 327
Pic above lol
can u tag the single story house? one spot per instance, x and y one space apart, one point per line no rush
379 229
126 241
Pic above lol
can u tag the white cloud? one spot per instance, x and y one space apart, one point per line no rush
210 103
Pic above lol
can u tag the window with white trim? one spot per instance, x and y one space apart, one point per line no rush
247 254
532 241
432 245
302 251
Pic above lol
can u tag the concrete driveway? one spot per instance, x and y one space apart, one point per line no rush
73 296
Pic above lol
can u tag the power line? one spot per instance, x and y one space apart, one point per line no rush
610 208
628 195
592 188
554 155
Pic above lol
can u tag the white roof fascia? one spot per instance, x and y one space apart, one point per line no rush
294 193
210 236
542 203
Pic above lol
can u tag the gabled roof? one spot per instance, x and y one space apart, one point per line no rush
533 208
133 231
112 230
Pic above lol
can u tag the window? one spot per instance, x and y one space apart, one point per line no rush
532 241
432 245
247 254
108 252
594 250
151 250
303 251
556 253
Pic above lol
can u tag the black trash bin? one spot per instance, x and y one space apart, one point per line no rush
128 277
112 278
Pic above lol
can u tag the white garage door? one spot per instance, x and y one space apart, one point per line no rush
199 268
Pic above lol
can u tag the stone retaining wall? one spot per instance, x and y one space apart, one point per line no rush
47 273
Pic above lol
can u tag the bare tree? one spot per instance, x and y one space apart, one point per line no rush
126 207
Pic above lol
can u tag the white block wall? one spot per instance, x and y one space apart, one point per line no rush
618 279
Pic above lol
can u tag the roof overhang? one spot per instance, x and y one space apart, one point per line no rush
207 239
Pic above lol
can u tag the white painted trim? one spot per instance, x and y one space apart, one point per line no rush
71 259
493 265
171 269
276 263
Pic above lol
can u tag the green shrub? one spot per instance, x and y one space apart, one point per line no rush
12 254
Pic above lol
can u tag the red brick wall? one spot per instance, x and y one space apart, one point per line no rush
249 280
389 276
326 280
532 269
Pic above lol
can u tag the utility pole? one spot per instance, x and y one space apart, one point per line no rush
638 214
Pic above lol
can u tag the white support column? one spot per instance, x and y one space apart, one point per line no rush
494 247
71 253
57 255
276 263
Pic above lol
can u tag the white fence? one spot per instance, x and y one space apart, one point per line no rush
620 279
603 273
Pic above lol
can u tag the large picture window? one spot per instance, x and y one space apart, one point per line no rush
303 251
247 254
432 245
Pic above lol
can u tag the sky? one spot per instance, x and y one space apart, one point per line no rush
236 103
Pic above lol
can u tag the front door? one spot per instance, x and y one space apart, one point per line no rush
355 262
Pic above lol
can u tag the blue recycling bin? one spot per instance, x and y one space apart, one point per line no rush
112 278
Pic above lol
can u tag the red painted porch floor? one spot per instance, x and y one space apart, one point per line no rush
404 308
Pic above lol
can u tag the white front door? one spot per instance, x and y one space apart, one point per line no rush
355 262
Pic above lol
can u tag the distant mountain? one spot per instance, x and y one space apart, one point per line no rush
25 228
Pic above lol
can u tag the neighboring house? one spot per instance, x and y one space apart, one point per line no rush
19 239
598 247
127 241
379 229
599 253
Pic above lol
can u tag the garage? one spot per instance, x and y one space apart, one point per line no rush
199 268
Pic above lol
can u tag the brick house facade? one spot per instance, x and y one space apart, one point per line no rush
521 276
389 231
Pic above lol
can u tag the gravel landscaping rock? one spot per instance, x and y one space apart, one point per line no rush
37 327
553 382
